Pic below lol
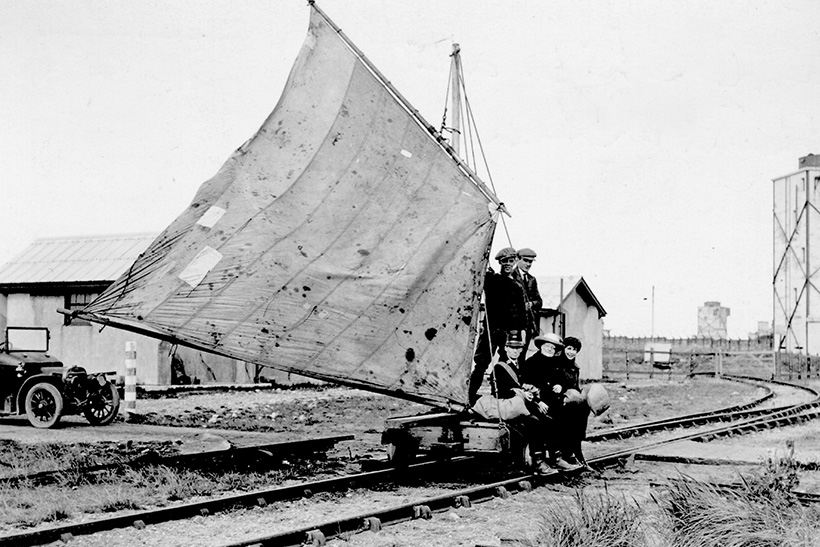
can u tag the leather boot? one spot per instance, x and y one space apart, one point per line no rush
561 464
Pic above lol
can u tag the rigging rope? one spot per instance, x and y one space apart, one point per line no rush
470 134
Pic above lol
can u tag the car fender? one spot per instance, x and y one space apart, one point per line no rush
36 379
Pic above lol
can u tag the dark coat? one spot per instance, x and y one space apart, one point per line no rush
504 298
566 373
533 297
504 382
538 371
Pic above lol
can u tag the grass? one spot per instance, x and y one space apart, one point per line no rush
26 505
760 511
594 520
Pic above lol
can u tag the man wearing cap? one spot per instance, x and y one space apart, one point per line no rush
534 426
532 302
504 311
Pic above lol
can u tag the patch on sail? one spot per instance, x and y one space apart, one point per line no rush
203 262
211 216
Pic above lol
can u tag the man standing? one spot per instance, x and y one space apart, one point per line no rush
532 302
504 311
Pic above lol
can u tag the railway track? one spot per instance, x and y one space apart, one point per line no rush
740 419
216 457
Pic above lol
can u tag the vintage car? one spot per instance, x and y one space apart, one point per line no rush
37 384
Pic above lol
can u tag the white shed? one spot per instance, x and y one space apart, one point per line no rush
570 308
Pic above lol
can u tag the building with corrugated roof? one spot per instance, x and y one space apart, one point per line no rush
69 272
570 308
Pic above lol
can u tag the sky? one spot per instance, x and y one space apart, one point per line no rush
634 143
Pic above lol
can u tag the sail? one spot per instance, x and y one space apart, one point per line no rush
342 242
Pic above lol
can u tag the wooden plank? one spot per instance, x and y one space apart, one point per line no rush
404 421
461 436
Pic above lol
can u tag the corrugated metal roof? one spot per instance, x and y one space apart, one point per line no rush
75 259
550 288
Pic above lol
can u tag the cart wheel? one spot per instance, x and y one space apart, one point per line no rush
44 405
102 406
401 453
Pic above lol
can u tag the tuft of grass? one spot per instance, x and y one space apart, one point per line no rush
599 520
761 512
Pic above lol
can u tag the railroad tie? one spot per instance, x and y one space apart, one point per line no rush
374 524
502 492
315 538
422 512
65 538
463 501
525 486
139 524
261 502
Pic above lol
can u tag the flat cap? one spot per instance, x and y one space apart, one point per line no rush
526 252
506 252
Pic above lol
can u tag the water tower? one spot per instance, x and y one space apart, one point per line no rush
713 321
796 271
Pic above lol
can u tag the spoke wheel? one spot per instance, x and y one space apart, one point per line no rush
44 405
102 406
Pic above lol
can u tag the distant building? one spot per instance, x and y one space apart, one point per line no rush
712 321
571 309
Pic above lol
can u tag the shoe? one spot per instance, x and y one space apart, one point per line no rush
572 460
563 465
543 468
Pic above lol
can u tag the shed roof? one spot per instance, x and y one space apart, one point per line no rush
78 259
551 287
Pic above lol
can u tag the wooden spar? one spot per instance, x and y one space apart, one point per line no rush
455 86
413 112
151 333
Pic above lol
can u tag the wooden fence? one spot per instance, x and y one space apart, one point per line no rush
767 364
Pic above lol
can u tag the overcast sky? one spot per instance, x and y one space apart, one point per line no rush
634 142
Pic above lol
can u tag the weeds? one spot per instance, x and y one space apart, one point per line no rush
761 512
600 520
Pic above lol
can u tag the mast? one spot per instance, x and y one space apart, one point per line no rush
455 99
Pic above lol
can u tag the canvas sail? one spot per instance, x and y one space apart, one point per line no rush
342 242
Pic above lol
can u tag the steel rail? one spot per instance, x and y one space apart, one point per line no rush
279 448
804 498
140 519
702 418
424 507
420 509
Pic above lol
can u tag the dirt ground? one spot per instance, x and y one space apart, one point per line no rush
193 421
199 421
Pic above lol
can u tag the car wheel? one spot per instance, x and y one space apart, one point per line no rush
102 406
44 405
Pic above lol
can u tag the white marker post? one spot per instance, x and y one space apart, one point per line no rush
130 378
